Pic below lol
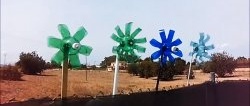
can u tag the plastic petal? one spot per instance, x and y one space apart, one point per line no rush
116 38
55 42
63 29
155 43
140 48
74 60
178 53
201 38
163 36
140 40
170 36
209 47
85 50
205 40
58 57
80 34
156 55
119 31
114 49
128 28
176 42
138 30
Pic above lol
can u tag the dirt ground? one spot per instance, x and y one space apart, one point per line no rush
49 84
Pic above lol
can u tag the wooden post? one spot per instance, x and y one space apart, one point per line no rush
64 73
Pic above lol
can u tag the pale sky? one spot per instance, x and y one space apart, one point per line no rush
26 24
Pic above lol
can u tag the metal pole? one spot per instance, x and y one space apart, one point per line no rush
86 72
159 74
115 84
189 70
64 73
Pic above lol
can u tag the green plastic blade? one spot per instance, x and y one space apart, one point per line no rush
116 38
140 48
80 34
63 29
58 57
119 31
138 30
140 40
128 28
74 60
85 50
55 42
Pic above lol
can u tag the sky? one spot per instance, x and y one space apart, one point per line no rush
27 24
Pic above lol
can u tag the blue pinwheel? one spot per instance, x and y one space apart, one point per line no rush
167 47
200 48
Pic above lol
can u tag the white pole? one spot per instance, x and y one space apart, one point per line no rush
189 70
115 84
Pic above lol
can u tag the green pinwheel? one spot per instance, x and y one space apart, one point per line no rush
128 43
125 49
69 45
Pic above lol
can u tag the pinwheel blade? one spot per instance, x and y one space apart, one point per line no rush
178 53
193 44
163 36
115 49
63 29
140 48
170 57
119 31
170 36
201 38
58 57
116 38
55 42
176 42
155 43
156 55
80 34
74 60
138 30
140 40
208 37
209 47
85 50
128 28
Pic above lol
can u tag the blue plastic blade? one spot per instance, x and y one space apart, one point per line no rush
209 47
178 53
191 53
170 57
193 44
155 43
201 38
163 36
156 55
170 36
205 40
176 42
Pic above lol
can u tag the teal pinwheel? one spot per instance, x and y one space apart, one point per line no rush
200 49
69 45
128 43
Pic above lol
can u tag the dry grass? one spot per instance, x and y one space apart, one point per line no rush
49 84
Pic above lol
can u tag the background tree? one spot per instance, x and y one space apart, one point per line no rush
180 66
107 61
31 63
222 64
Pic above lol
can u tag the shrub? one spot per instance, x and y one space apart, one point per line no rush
180 66
147 68
168 72
10 73
133 68
222 64
31 63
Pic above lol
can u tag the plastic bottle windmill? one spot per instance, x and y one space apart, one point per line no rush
126 47
69 47
200 49
167 47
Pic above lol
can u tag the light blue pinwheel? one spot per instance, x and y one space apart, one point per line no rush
200 49
167 48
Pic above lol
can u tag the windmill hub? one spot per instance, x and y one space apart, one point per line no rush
174 49
76 45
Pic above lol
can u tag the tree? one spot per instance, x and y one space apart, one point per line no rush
31 63
107 61
180 66
168 71
222 64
